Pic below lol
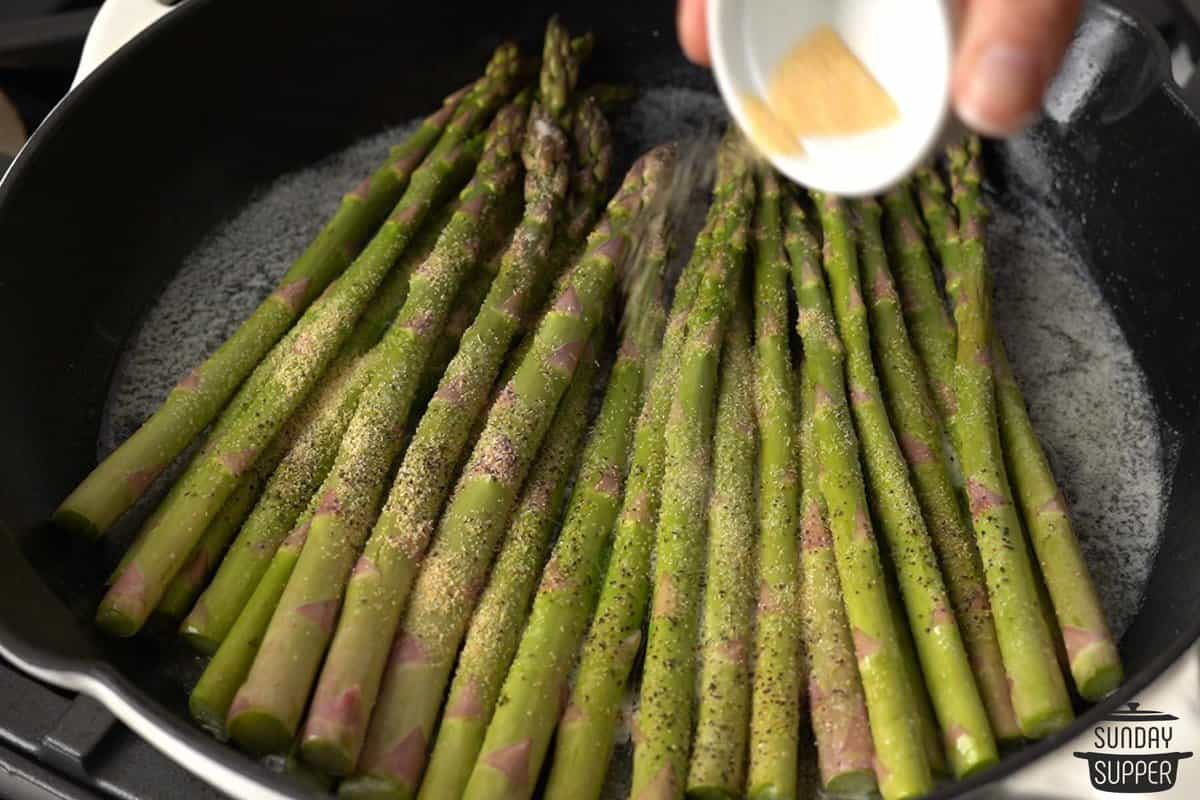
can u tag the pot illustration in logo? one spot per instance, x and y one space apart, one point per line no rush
1133 752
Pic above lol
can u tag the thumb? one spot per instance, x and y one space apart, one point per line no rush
692 21
1010 51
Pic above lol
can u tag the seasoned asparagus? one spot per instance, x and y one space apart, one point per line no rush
268 707
922 437
775 721
963 719
835 694
902 767
497 624
117 482
310 346
1039 693
718 761
379 588
585 733
535 686
478 511
665 711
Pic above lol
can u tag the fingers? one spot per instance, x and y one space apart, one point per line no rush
692 24
1010 50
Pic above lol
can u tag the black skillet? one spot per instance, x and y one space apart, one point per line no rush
174 132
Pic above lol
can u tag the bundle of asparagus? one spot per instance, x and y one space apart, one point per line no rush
722 508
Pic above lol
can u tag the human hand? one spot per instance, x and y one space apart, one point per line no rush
1008 52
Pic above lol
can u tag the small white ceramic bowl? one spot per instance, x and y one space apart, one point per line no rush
907 45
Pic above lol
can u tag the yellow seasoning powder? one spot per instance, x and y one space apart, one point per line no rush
821 88
767 131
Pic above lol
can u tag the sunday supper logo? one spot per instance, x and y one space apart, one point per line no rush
1132 752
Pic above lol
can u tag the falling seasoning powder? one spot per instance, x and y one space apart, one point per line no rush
821 88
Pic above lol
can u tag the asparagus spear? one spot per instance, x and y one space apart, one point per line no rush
380 586
1095 663
964 721
585 733
117 482
835 694
1092 654
718 762
1038 692
531 697
247 590
665 713
295 483
310 346
902 768
919 429
775 721
497 623
213 694
267 709
927 726
948 242
478 511
932 327
943 657
306 463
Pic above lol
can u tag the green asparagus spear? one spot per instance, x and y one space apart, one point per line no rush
1092 654
932 327
835 694
307 462
902 768
718 762
203 629
213 694
114 485
948 674
237 608
267 709
775 721
921 436
1039 694
379 589
1095 663
497 623
311 345
530 701
927 726
943 658
585 733
665 713
478 511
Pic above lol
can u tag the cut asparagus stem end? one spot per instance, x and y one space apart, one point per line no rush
116 622
198 640
1102 664
331 757
851 784
76 523
259 733
371 787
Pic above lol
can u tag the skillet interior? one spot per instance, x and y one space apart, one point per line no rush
172 135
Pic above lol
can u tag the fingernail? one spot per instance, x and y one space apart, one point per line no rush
1002 92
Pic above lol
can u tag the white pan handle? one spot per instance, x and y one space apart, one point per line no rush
116 23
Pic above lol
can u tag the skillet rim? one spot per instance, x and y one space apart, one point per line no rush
231 771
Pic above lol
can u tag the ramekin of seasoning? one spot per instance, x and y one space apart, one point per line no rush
843 96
